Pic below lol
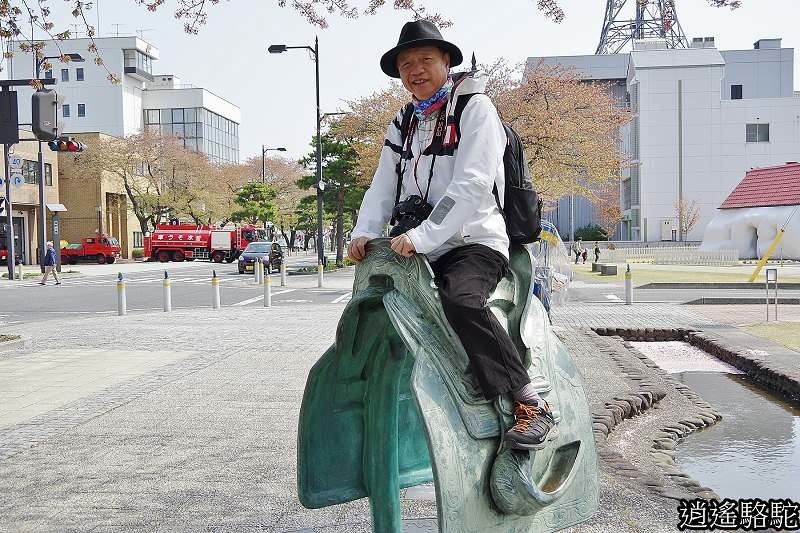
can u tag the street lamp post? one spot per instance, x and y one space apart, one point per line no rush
40 167
279 49
264 160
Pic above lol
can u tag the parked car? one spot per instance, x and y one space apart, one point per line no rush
271 251
102 249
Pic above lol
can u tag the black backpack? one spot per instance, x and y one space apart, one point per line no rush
522 208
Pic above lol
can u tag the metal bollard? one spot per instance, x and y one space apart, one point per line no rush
19 271
167 284
268 291
122 301
256 271
215 289
283 273
628 286
320 276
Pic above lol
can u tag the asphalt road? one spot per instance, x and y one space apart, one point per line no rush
191 288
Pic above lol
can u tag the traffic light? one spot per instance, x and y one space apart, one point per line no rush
44 119
65 144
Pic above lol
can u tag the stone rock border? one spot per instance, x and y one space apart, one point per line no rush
756 364
667 439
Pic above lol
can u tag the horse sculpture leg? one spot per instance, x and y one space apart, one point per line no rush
381 459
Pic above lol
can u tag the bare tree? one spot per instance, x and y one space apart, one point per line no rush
688 215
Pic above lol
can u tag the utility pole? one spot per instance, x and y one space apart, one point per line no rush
9 217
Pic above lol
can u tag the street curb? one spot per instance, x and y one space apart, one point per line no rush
626 405
741 301
711 285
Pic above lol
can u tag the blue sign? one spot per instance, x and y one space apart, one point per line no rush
17 179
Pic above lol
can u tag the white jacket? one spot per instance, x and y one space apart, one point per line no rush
465 210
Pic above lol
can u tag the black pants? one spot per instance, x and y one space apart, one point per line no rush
466 277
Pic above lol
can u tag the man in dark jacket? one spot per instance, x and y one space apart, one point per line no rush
50 265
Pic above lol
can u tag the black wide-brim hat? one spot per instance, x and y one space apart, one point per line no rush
416 34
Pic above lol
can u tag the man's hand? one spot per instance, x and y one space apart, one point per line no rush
402 245
356 249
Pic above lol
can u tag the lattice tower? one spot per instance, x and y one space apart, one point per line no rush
654 19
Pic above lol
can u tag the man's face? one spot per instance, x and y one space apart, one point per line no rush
423 70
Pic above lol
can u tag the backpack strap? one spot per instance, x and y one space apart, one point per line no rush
405 126
461 103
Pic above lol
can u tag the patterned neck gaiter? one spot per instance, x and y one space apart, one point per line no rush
424 108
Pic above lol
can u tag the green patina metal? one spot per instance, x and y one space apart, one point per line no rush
391 405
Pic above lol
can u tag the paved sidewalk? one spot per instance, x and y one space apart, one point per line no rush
187 422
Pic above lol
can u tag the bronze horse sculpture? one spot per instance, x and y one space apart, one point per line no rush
391 405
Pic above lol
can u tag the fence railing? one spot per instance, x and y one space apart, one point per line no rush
675 255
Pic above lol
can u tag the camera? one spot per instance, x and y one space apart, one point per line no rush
409 214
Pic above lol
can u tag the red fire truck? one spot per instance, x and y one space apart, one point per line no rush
179 242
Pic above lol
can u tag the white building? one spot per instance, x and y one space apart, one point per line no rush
702 118
90 103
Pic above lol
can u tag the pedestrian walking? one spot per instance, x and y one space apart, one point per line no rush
445 177
577 249
596 252
584 254
50 265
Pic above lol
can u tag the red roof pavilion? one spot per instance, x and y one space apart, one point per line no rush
767 187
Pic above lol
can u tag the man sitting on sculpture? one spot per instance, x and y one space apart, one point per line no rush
445 174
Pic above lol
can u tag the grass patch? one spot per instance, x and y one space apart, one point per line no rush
6 338
643 274
784 333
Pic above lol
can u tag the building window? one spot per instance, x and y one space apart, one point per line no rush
736 92
138 240
48 73
65 110
757 133
79 74
64 74
29 171
152 116
81 110
48 174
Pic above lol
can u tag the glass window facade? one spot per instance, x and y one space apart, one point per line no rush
757 133
199 129
79 74
64 74
81 110
30 174
134 58
65 110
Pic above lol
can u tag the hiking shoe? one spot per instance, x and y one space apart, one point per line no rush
532 427
41 283
58 283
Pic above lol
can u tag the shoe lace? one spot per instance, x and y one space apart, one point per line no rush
525 415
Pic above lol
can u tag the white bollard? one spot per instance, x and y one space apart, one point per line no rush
628 286
283 273
268 291
215 289
256 272
19 271
122 301
167 293
320 275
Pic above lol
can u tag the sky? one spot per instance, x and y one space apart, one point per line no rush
276 92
